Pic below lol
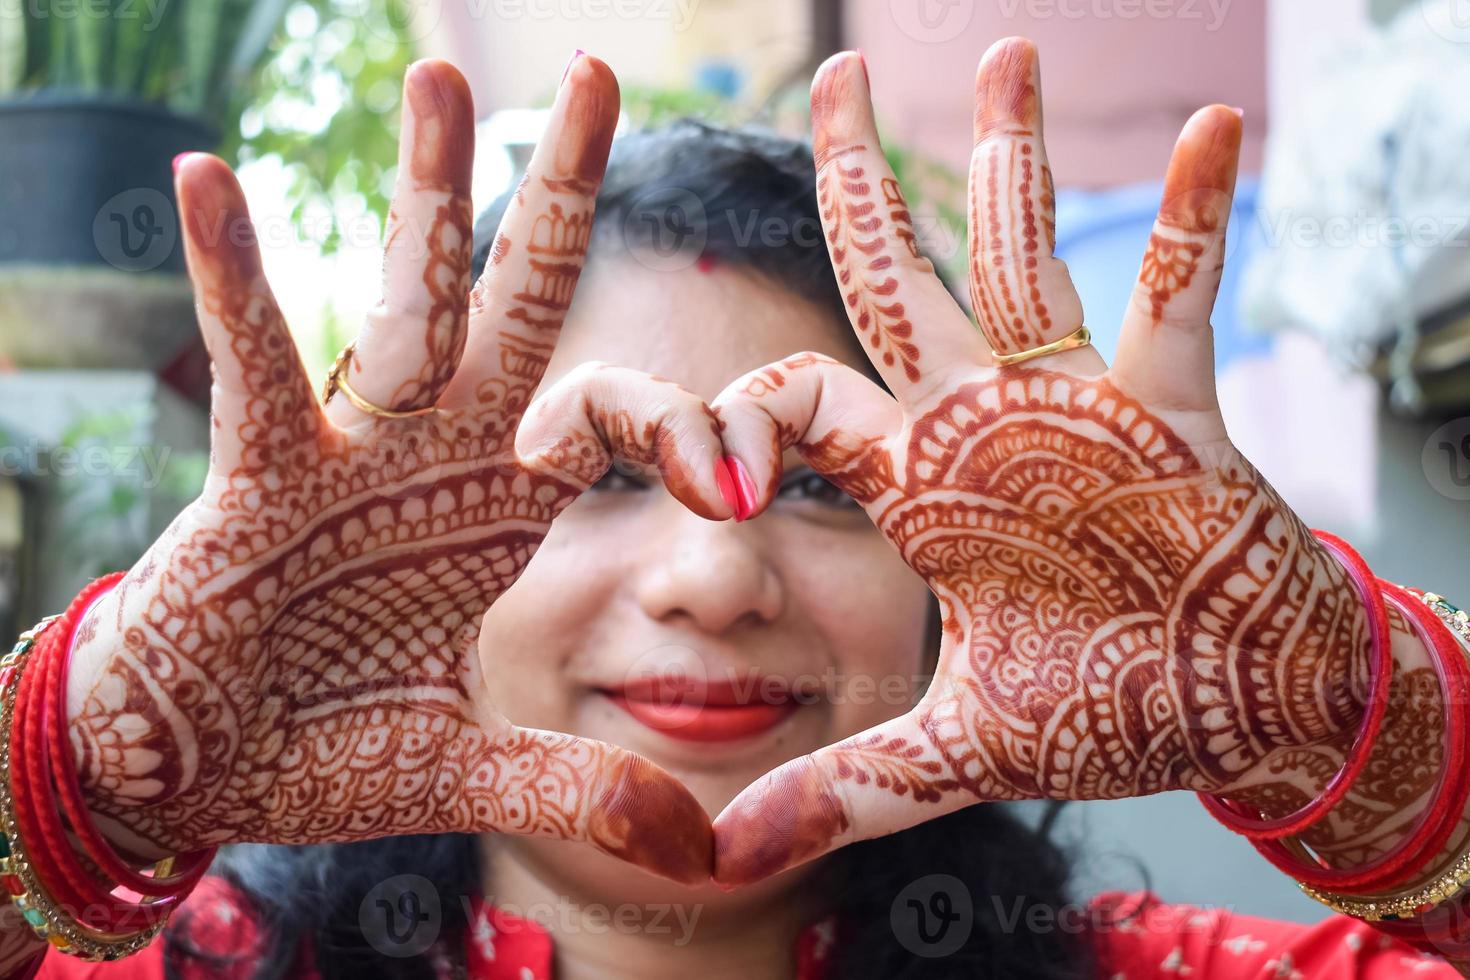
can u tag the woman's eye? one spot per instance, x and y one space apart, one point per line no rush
615 481
811 487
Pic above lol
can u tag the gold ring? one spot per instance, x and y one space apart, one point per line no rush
1080 337
337 381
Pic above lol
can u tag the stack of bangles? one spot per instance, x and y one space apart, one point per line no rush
68 883
1403 892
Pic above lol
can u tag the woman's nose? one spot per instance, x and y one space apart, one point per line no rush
713 573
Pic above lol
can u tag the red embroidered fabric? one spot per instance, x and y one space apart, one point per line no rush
1137 937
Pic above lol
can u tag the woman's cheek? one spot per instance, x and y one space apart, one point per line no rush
874 619
537 625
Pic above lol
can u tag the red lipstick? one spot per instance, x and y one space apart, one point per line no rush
699 711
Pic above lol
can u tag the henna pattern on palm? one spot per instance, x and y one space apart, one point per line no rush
1127 604
1099 583
294 661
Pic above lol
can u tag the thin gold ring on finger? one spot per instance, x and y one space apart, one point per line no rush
1080 337
337 381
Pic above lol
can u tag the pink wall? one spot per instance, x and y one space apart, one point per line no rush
1120 76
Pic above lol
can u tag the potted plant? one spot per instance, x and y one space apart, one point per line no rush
96 98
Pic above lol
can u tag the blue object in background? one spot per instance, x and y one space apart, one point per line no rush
720 78
1102 235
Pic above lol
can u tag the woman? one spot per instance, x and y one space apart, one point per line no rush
1124 605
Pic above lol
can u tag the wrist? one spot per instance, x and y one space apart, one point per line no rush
1332 663
111 729
1314 678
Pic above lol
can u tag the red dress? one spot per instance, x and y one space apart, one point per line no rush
1136 937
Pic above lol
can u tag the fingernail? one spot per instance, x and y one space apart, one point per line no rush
1007 88
863 60
726 484
568 70
744 488
179 160
1239 112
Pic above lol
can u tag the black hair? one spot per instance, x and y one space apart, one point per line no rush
691 185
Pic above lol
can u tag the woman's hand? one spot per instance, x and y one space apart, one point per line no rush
1128 606
294 661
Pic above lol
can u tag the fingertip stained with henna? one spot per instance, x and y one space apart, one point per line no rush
443 112
647 818
792 817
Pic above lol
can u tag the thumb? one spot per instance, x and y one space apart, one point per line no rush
549 784
889 778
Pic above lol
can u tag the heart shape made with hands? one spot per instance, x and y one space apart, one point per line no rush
1101 553
1118 586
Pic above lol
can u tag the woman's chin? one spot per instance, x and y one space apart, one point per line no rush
574 874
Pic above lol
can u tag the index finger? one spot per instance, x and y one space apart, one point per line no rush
910 326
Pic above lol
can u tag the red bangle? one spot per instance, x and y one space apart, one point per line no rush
188 868
38 819
38 722
1238 816
1433 827
1444 929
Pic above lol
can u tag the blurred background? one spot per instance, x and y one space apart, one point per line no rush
1343 328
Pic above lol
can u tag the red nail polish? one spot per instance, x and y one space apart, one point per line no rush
575 55
179 160
726 485
744 488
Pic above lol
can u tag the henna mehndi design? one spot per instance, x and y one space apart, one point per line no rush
294 660
1127 605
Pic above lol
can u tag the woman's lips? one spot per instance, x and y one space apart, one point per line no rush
698 712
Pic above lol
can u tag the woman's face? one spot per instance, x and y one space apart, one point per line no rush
716 650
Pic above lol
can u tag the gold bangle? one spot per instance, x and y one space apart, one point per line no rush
1407 905
1080 337
337 381
1456 619
45 918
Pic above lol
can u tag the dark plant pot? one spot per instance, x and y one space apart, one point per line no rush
88 180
